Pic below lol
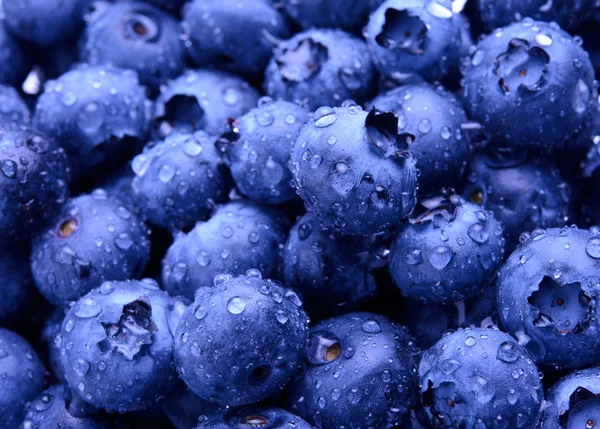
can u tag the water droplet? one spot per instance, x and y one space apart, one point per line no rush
235 305
508 352
448 366
166 173
178 271
315 161
81 367
140 164
203 259
227 232
281 317
331 140
86 308
290 119
354 396
478 58
9 168
324 117
582 97
592 248
478 233
191 147
440 257
445 133
342 178
424 126
91 118
69 99
543 39
335 394
439 10
123 241
470 341
265 119
371 326
231 96
414 257
200 312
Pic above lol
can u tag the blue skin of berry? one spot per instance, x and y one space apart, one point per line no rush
43 22
12 106
119 333
469 376
49 411
17 286
573 397
93 239
178 181
15 59
49 332
99 114
332 272
202 100
239 236
258 153
529 66
33 181
349 15
22 374
405 36
184 408
267 418
359 366
567 13
523 193
256 342
245 47
135 36
435 117
321 67
447 253
548 290
354 171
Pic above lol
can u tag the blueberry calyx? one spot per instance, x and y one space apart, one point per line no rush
132 332
402 31
382 132
139 26
303 62
521 67
229 138
180 109
255 420
445 209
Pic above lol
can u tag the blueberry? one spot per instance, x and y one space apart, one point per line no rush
435 117
321 67
44 22
178 182
259 147
414 37
50 410
135 36
479 377
15 59
353 169
94 238
17 285
184 408
528 66
98 114
567 13
350 15
548 291
233 35
360 372
332 271
116 345
22 375
447 253
573 401
239 236
251 417
33 183
12 106
523 193
202 100
255 344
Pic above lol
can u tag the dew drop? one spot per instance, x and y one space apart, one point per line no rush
235 305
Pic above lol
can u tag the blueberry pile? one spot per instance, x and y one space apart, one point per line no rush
299 214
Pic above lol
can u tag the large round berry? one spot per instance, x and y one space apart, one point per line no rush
180 180
354 170
50 410
332 271
435 117
529 66
321 67
573 401
202 100
245 47
98 114
254 417
22 375
447 253
93 239
480 377
44 22
116 345
549 290
241 341
414 37
135 36
360 372
259 147
239 236
33 182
